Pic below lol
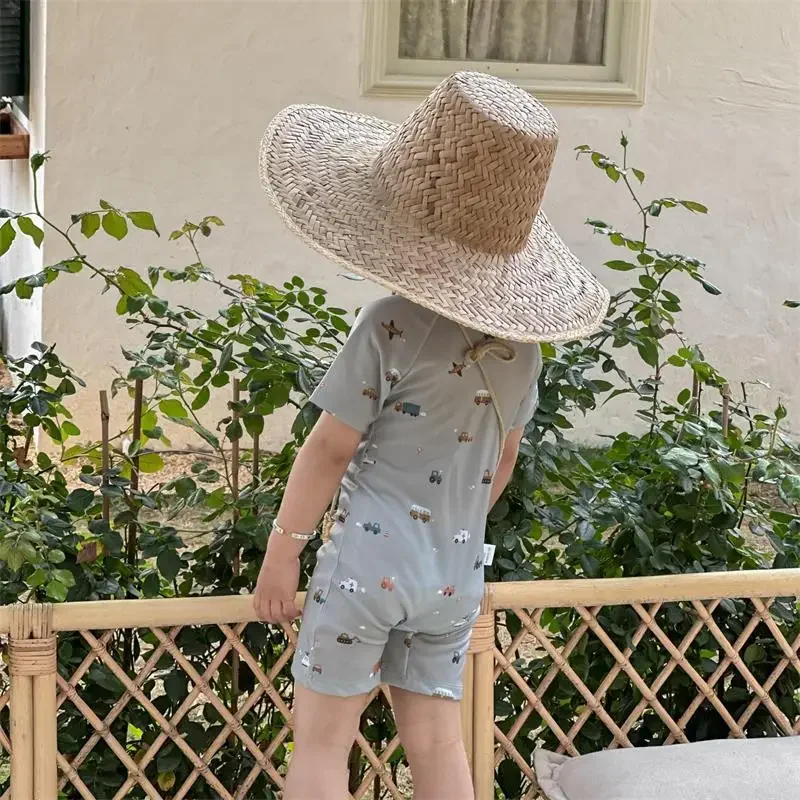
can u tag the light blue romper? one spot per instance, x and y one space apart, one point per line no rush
398 585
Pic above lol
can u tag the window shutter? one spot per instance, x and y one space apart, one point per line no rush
14 47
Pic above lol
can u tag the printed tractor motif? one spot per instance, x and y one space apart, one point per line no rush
482 398
370 392
392 377
456 657
319 597
349 585
462 537
465 437
412 409
392 329
346 638
387 583
447 591
420 513
457 369
372 527
442 692
436 477
478 563
488 477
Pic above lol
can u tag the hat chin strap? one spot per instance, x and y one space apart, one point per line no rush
502 351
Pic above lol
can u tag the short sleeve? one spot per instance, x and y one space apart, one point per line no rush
531 400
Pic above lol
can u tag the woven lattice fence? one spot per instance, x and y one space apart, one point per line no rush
142 699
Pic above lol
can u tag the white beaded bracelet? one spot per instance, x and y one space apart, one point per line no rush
302 537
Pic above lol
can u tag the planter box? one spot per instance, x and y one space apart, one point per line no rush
15 144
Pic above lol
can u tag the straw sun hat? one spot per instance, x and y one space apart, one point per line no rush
443 209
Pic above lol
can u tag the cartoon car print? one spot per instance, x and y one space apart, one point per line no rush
392 376
488 477
342 514
305 660
447 591
464 437
412 409
369 462
370 392
319 597
392 329
346 638
372 527
456 657
349 585
317 669
462 537
436 477
478 563
442 692
387 583
420 513
482 398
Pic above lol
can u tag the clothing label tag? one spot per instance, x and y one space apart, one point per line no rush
488 554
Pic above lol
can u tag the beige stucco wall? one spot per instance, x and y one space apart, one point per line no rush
160 105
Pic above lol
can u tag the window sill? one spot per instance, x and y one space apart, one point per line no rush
16 144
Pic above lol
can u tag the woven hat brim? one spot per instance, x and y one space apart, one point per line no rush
316 167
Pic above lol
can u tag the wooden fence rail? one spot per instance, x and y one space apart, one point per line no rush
535 644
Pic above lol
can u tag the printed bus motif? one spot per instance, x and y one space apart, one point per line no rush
370 392
465 437
411 409
482 398
488 477
420 513
462 537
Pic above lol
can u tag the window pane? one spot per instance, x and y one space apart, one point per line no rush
519 31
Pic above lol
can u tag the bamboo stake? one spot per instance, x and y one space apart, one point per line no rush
105 417
132 543
21 737
236 558
726 409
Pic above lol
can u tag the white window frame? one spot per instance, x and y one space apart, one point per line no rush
620 81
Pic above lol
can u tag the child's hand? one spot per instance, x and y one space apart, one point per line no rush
274 598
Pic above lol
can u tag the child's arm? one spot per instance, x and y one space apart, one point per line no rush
505 468
315 476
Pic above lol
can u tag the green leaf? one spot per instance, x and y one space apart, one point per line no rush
37 578
677 361
173 408
132 283
648 350
37 161
79 500
202 398
697 208
150 462
638 173
169 564
7 236
23 290
114 224
710 288
620 266
70 429
90 224
122 305
613 173
780 412
57 591
792 303
225 357
254 424
234 430
30 228
143 220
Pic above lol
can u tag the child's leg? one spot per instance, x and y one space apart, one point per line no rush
430 729
325 728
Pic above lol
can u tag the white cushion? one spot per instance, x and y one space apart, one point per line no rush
724 769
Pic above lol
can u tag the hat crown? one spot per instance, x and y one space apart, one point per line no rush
471 163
